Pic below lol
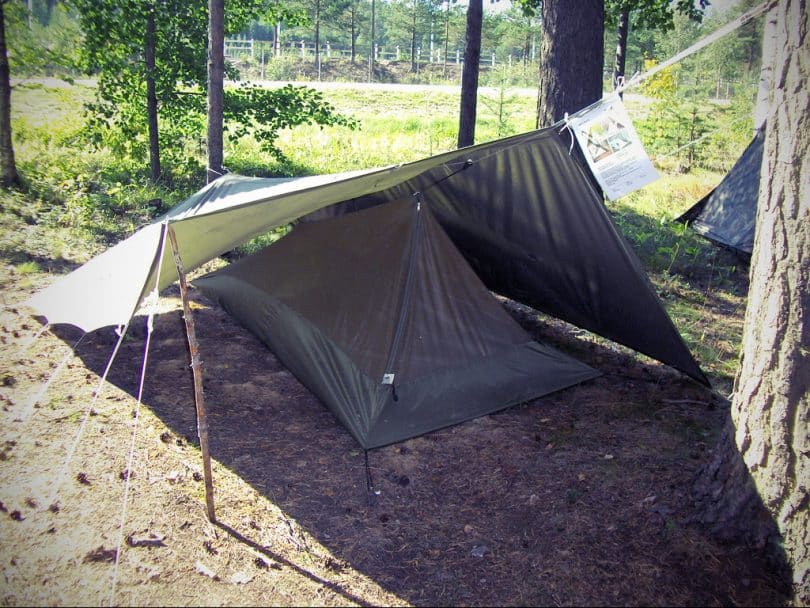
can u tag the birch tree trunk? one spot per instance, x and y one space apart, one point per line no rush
621 48
763 458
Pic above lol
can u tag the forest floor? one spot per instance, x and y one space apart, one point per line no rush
581 497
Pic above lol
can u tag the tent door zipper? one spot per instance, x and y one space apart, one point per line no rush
388 376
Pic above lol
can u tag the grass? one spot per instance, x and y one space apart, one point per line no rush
77 200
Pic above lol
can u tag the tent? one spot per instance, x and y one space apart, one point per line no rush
520 210
382 318
727 215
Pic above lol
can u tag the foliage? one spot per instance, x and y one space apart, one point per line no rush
675 124
663 85
114 47
655 14
500 107
264 112
41 46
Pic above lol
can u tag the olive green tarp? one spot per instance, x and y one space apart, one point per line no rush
520 210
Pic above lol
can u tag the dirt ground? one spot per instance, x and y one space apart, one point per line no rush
580 497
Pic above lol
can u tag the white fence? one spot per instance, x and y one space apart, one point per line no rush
263 51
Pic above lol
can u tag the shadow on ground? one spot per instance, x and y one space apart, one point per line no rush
580 497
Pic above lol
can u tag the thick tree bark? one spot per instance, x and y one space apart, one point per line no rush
571 58
764 455
469 75
621 48
216 93
8 166
151 96
769 43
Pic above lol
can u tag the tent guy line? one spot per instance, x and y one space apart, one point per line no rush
32 403
128 473
52 502
637 79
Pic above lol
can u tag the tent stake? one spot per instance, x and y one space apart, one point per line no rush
196 369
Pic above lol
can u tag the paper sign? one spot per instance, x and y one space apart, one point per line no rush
613 149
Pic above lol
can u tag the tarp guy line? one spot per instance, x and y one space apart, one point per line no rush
717 34
131 457
29 407
150 326
704 136
88 409
36 336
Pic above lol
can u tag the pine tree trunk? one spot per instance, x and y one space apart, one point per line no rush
373 35
469 75
764 454
571 58
413 39
216 93
318 37
151 96
8 166
354 33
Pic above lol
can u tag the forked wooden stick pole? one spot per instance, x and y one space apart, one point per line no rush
196 369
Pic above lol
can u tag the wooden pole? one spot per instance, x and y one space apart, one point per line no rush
196 369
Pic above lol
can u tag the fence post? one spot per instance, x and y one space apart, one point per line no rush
303 50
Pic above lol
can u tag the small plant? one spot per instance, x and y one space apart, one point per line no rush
27 268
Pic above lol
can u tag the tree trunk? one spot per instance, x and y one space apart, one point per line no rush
469 75
769 43
151 96
216 93
8 166
571 58
318 37
371 50
354 32
764 454
413 38
621 48
446 37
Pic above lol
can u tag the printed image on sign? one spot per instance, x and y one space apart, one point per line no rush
613 149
